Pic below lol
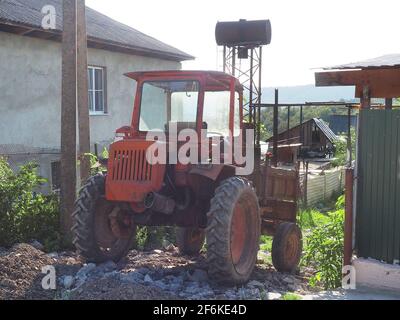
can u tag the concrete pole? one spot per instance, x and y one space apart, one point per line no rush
83 108
68 116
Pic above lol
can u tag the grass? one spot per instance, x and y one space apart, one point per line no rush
266 245
311 218
291 296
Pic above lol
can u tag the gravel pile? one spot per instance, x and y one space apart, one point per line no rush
166 275
20 273
159 274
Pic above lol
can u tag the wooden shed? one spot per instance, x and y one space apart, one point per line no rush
314 135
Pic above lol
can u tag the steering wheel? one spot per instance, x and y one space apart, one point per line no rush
214 133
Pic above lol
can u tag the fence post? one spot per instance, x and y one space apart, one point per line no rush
306 186
348 221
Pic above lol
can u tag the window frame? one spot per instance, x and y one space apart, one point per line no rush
92 92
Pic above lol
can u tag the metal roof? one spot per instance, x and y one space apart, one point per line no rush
99 27
386 61
323 126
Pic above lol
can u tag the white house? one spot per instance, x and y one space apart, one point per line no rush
30 79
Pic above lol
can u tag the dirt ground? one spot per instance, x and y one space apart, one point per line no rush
159 274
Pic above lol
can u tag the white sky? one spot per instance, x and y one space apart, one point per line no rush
306 33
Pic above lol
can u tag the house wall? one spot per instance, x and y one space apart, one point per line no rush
30 91
30 97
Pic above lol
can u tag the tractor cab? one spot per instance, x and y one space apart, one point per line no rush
194 100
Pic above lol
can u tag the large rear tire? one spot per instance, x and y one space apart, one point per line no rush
287 247
102 231
233 232
190 241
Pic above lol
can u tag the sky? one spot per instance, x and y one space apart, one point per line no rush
306 34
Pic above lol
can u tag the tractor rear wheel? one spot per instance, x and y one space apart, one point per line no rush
102 231
287 247
190 240
233 232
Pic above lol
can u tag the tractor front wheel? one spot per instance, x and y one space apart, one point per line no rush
287 247
102 231
190 240
233 232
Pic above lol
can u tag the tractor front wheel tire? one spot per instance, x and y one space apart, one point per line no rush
233 232
287 247
101 230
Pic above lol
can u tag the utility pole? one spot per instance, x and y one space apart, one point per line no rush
68 115
74 97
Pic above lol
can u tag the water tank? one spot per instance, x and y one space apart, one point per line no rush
243 32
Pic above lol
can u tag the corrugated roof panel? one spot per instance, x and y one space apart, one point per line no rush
99 26
386 61
326 130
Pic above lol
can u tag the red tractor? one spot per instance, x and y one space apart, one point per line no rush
206 201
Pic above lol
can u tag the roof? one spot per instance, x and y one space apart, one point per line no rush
377 77
215 80
100 29
386 61
217 74
321 124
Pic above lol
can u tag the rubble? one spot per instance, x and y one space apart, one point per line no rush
141 275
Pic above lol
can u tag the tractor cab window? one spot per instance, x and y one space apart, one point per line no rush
165 102
216 113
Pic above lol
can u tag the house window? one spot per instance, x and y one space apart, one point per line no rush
97 90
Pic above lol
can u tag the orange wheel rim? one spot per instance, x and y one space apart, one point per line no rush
238 233
111 225
291 248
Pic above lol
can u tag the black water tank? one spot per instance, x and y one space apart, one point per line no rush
243 32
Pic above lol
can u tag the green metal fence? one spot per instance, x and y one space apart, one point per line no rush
378 186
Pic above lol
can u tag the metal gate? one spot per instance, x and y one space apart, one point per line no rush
378 186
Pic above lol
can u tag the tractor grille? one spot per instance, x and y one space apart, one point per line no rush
131 165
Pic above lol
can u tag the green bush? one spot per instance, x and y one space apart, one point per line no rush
95 165
26 215
151 238
341 149
324 249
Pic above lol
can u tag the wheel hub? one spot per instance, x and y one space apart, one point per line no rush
112 224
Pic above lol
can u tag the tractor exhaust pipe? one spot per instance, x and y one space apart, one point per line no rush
159 203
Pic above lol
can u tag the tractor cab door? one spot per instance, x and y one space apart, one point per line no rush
222 117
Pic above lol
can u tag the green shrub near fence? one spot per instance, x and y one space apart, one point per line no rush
324 248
